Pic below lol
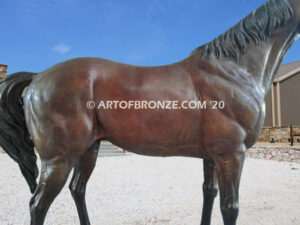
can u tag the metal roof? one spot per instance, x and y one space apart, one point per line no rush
287 70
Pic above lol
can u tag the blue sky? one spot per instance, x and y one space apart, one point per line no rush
37 34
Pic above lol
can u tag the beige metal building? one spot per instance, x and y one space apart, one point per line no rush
283 100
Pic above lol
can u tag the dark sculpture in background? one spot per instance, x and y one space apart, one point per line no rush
237 67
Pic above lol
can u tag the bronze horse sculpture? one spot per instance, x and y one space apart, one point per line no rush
237 67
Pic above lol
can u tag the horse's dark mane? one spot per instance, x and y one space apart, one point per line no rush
257 27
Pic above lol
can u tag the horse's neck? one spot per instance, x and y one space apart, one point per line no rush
263 60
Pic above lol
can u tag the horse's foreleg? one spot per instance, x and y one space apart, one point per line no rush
82 171
229 167
54 174
210 190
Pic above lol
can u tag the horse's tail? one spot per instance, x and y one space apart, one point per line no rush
14 136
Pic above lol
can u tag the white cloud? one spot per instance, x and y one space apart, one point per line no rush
61 48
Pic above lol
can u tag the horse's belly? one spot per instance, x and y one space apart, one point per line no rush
192 150
153 132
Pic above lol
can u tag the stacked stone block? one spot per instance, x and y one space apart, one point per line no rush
285 154
278 134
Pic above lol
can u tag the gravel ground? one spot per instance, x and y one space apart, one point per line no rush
147 190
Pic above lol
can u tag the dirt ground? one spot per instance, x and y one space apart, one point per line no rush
144 190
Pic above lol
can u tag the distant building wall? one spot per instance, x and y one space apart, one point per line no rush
282 102
269 118
290 101
3 69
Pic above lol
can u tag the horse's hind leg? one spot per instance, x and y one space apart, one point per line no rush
210 190
229 167
54 174
82 170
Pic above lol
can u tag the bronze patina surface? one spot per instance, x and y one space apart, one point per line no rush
237 67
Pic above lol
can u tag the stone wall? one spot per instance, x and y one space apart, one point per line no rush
286 154
278 134
3 69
